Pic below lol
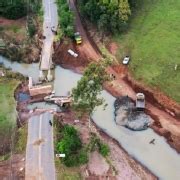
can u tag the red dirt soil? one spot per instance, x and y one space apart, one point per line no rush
112 47
7 22
10 169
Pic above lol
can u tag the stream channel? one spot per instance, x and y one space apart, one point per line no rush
160 158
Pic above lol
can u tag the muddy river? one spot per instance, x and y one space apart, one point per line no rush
159 158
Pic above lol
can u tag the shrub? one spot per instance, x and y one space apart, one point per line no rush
22 139
104 149
76 159
15 28
31 29
66 18
96 144
1 28
83 158
72 147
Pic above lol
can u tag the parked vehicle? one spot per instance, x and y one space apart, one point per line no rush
72 53
78 38
140 101
126 60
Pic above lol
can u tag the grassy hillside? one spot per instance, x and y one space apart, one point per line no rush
153 41
7 111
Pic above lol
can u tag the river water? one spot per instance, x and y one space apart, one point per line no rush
159 158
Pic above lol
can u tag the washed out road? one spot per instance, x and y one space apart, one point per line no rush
40 148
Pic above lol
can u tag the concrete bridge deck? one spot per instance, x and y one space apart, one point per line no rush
50 21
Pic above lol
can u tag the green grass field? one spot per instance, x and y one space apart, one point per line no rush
7 109
153 42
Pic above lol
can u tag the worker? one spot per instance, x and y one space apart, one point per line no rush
53 31
114 76
50 123
152 141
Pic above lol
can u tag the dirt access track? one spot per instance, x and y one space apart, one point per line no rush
166 122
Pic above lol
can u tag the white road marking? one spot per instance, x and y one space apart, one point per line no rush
40 124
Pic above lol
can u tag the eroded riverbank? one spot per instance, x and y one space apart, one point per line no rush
164 124
140 150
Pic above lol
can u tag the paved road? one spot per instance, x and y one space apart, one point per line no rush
40 149
50 20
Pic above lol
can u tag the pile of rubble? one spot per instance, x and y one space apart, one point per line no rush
127 115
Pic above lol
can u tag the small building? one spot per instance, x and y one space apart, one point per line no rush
39 90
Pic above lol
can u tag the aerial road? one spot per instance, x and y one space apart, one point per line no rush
49 27
40 148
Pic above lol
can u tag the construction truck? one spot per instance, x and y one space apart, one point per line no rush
140 101
78 38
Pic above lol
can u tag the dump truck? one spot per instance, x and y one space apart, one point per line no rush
140 101
78 38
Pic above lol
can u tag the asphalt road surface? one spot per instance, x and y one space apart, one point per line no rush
50 23
40 148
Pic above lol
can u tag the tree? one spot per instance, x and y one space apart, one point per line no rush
71 145
31 27
103 21
103 12
124 10
15 10
66 18
86 94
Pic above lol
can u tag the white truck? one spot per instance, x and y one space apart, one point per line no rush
140 101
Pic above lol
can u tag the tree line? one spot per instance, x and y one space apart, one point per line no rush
15 9
66 18
109 15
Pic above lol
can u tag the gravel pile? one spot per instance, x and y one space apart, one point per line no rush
126 115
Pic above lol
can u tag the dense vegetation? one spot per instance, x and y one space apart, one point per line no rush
66 20
18 36
109 15
70 144
21 142
76 153
86 94
153 41
8 109
13 9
